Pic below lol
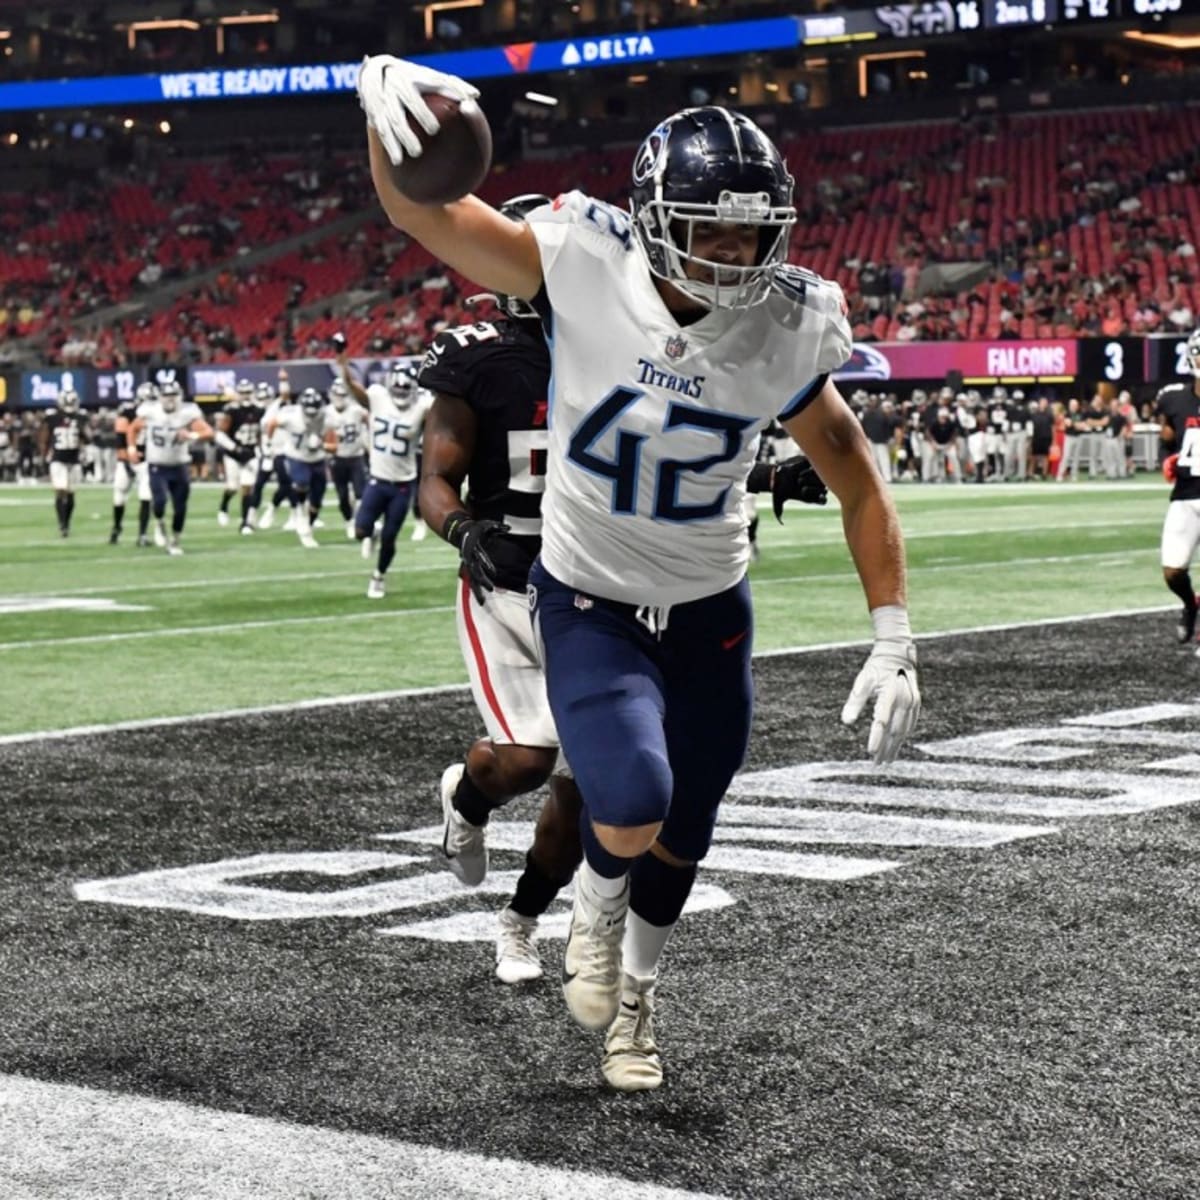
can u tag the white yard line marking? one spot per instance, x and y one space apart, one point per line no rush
75 1143
234 627
10 605
46 735
228 714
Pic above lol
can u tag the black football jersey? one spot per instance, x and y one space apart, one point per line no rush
502 370
127 412
244 422
1178 406
66 432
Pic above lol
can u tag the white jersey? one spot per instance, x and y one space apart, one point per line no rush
277 442
167 442
653 426
395 434
350 426
304 436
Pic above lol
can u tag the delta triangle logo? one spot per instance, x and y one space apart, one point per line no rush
571 56
519 56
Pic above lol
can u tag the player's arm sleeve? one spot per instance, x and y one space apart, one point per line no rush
575 234
835 346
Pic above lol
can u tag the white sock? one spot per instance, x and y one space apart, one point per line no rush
643 946
600 886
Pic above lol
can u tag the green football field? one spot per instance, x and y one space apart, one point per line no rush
96 634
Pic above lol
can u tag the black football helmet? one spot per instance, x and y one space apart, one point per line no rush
711 165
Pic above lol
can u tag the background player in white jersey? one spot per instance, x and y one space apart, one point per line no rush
273 459
132 471
237 437
346 439
63 435
677 336
303 427
171 425
397 409
1178 410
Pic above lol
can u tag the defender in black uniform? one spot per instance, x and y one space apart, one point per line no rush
131 469
238 432
63 435
1178 408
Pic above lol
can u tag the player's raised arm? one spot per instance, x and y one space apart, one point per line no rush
355 388
467 235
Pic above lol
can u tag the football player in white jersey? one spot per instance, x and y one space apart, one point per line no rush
397 409
131 468
677 334
346 439
302 425
273 458
171 425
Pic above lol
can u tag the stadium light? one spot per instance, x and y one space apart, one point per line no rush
164 127
866 58
264 18
1173 41
441 6
136 27
541 98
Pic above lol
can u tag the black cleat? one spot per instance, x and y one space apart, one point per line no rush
114 537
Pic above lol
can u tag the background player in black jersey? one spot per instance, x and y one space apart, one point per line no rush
131 474
1178 408
237 436
487 428
63 435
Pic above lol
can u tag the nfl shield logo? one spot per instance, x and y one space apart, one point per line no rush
676 347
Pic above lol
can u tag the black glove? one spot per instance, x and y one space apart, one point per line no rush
796 479
470 537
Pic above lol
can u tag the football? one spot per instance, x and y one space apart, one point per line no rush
454 161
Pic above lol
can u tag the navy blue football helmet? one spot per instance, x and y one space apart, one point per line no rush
311 401
715 166
402 384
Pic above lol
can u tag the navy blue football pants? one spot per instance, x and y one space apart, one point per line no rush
173 482
654 726
349 479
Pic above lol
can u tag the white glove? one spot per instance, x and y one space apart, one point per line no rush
391 92
889 676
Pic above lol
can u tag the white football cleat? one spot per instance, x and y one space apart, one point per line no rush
222 517
307 540
174 549
463 844
160 534
517 959
631 1062
291 524
376 589
267 519
420 529
247 530
317 523
591 972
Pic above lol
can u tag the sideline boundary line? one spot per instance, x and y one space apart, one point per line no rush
49 735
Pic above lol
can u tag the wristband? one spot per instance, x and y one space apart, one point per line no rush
454 525
891 623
